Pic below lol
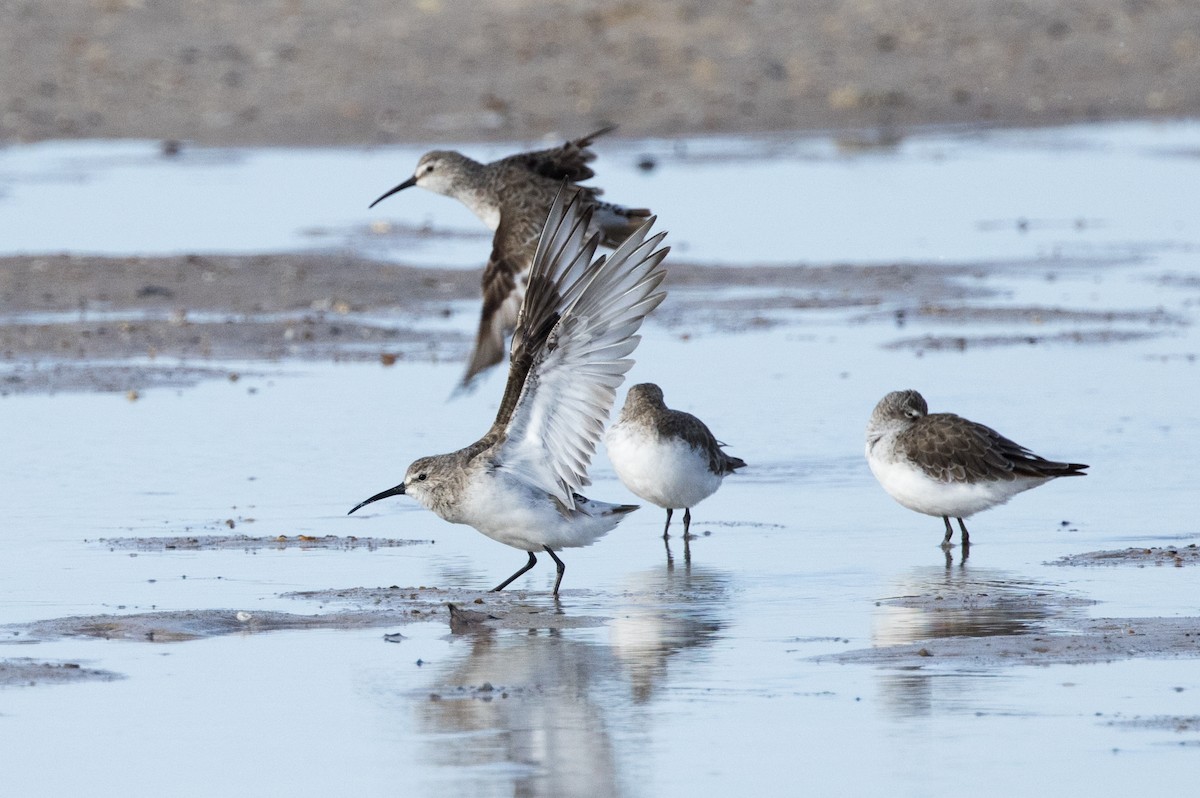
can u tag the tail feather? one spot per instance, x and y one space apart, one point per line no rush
732 463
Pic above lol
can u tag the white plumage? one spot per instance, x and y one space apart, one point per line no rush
667 457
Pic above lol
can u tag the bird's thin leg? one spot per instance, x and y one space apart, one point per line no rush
687 523
668 526
949 531
559 564
532 562
966 537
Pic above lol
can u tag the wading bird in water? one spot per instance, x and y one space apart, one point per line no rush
520 483
945 465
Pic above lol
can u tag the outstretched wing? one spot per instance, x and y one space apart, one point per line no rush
569 353
568 162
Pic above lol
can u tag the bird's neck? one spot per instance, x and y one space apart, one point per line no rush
475 189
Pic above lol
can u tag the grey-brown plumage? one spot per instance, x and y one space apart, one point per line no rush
519 484
945 465
512 196
667 457
646 407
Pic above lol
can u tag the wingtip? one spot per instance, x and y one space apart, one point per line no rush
604 131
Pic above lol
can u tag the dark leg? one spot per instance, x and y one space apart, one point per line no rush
668 526
561 567
532 562
949 531
687 523
966 537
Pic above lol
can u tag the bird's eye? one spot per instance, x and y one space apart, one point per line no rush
422 477
428 168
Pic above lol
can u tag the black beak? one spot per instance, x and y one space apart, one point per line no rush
412 181
396 491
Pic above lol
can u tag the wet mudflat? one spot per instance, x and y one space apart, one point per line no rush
192 545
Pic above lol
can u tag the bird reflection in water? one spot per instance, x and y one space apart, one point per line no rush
933 603
540 708
667 612
530 707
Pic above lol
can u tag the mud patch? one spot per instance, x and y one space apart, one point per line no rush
960 343
988 624
24 672
248 543
1039 314
472 611
53 377
1176 556
1175 723
170 627
85 323
1086 641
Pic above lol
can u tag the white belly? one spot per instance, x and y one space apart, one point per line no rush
509 512
916 490
668 473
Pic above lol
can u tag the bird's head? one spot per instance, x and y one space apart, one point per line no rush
422 482
437 171
898 409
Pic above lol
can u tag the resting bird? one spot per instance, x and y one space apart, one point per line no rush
667 457
945 465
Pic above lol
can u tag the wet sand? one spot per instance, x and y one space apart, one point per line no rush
984 625
1158 556
24 672
221 73
128 324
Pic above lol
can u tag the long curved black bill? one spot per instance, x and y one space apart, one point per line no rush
412 181
396 491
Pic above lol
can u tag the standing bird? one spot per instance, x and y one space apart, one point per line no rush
512 197
667 457
519 484
946 465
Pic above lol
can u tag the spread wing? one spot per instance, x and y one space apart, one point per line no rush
568 162
569 353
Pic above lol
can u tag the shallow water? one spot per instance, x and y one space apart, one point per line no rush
701 677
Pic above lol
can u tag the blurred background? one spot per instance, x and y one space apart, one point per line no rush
307 72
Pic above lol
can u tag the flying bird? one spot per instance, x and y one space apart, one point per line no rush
512 196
